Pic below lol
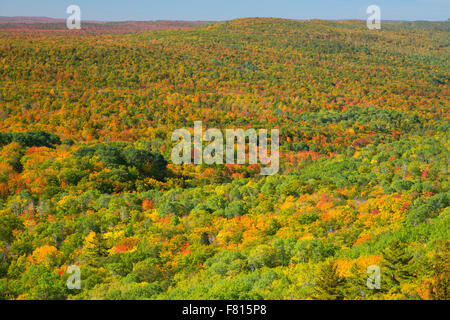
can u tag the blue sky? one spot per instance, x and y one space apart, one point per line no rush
113 10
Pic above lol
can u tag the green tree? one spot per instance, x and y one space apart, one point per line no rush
329 285
94 249
396 267
440 264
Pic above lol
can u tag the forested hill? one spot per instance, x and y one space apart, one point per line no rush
86 179
44 25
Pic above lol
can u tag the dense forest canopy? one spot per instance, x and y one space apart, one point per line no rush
86 179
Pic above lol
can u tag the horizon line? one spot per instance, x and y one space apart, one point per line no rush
200 20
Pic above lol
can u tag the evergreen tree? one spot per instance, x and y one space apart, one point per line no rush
329 285
441 272
396 267
94 249
356 284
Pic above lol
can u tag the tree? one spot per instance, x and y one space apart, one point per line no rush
94 249
329 285
40 283
396 267
149 164
31 139
439 287
9 223
147 270
235 209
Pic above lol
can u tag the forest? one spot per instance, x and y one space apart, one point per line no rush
86 179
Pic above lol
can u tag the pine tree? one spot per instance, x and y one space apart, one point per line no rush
204 240
94 249
441 272
329 285
396 267
356 284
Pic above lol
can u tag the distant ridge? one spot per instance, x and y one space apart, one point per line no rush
46 24
26 19
21 19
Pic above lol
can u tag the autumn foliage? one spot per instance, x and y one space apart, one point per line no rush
85 174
